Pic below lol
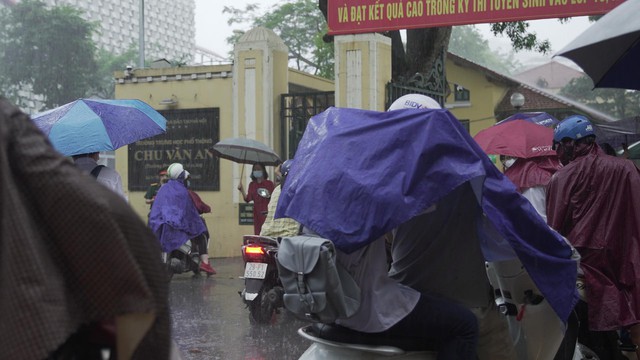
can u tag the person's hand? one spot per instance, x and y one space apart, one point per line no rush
240 187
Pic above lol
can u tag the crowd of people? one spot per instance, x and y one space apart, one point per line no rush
587 196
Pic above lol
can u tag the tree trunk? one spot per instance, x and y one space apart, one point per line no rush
423 48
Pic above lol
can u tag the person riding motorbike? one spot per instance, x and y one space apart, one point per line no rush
382 190
284 226
590 202
174 217
390 309
423 246
202 242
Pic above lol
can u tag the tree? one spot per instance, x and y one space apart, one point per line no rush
300 25
467 42
618 103
48 51
107 64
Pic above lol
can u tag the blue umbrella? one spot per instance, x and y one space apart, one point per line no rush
539 118
90 125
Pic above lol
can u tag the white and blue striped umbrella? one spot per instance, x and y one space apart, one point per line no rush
92 125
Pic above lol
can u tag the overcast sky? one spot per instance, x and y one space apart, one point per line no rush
212 29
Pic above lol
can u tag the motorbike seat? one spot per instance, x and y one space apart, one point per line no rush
341 334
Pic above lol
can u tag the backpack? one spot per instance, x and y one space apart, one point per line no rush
316 287
95 172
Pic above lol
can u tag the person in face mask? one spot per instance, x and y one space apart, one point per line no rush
531 176
259 192
507 162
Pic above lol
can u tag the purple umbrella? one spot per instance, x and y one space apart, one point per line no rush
92 125
539 118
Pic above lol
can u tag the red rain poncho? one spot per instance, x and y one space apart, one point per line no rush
593 201
537 171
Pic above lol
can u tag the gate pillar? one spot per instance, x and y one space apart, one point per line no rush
260 75
362 70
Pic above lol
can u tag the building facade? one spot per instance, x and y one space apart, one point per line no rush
169 25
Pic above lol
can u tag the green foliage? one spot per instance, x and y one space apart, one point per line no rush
300 25
618 103
521 38
467 42
46 50
108 63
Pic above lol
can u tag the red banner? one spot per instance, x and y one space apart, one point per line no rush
367 16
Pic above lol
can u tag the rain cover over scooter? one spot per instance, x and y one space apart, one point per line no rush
174 217
358 174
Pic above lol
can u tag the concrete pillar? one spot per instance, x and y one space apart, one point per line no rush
260 75
362 70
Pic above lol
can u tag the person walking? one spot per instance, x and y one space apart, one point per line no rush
592 201
110 178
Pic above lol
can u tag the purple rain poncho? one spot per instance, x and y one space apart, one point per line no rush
174 217
358 174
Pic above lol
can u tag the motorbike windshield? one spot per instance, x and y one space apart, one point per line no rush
358 174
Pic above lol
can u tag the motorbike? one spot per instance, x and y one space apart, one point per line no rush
184 259
262 291
536 331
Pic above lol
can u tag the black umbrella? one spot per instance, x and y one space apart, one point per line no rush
609 50
246 151
616 133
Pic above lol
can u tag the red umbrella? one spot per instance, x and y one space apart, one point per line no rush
517 138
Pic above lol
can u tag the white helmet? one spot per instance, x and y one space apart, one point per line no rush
174 170
414 101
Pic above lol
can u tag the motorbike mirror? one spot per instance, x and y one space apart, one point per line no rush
264 193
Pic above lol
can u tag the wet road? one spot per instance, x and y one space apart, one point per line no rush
211 322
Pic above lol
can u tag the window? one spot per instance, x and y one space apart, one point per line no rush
465 123
460 93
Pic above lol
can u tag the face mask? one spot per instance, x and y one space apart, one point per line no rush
187 183
257 174
278 178
508 163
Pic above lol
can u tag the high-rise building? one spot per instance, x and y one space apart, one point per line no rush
169 26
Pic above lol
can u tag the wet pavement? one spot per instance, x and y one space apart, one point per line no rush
210 320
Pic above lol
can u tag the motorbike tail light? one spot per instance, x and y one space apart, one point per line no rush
253 253
254 250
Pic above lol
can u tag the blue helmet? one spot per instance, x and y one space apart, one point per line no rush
285 167
574 127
